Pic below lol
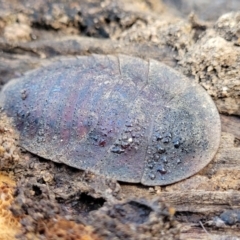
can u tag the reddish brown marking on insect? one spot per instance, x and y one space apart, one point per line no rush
121 117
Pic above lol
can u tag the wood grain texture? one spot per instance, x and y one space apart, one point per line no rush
231 124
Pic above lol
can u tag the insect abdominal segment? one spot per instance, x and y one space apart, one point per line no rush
118 116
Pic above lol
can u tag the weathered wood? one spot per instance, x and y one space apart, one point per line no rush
231 124
196 231
28 56
75 45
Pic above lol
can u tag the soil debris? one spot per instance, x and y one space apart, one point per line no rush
136 219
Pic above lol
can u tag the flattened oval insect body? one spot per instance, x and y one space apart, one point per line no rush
118 116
